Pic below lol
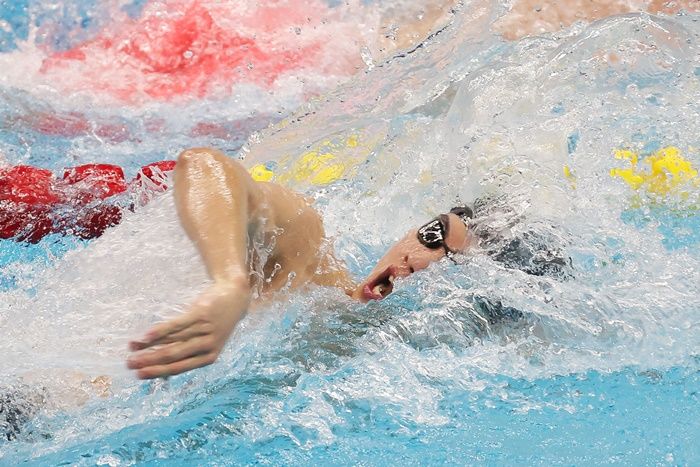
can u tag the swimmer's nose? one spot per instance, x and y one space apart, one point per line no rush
407 267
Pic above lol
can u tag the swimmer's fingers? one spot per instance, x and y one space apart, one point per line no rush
175 368
171 353
195 330
163 330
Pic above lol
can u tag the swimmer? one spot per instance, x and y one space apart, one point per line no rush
224 211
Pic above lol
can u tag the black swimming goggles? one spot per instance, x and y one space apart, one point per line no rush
433 234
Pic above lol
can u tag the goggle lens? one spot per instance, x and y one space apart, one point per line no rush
432 234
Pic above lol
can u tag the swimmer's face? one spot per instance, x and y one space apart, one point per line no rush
409 255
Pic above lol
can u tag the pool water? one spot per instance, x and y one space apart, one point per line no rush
601 366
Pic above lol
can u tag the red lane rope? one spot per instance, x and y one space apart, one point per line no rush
84 202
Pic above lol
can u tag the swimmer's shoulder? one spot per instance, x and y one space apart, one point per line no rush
287 203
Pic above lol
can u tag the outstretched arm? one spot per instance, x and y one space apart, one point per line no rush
215 197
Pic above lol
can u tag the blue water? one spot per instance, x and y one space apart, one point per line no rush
601 368
628 417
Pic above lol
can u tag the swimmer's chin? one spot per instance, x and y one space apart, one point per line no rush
376 287
362 294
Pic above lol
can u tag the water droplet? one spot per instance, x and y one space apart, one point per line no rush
367 58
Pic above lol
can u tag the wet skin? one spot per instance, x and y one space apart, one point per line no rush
221 208
407 256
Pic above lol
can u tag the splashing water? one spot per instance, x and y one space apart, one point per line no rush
467 362
134 82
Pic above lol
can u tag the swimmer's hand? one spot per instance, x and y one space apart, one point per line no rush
194 339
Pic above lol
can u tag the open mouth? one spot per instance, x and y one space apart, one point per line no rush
380 286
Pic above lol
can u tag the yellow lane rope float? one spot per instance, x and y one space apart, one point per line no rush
664 173
660 176
320 166
569 175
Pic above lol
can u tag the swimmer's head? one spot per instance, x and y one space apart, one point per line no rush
446 234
